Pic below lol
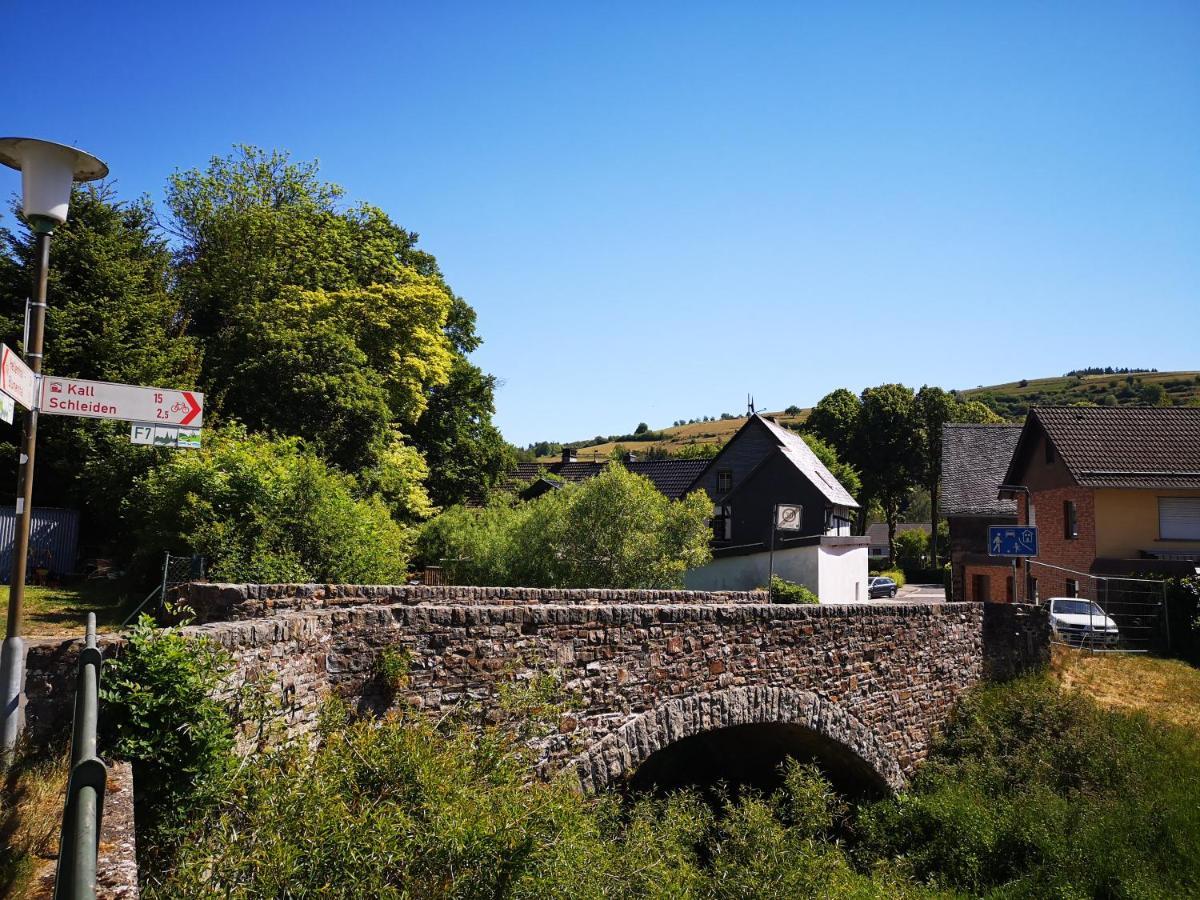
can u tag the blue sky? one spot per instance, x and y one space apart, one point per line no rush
658 208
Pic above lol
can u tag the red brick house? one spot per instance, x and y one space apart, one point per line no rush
1112 490
975 460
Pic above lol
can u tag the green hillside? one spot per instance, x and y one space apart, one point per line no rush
1010 401
1140 389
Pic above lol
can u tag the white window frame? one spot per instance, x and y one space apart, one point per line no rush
1179 518
727 475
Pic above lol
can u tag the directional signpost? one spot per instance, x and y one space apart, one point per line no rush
105 400
17 379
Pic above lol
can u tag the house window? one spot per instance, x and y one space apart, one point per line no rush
1072 587
1179 518
1070 522
722 523
724 481
1008 589
1031 592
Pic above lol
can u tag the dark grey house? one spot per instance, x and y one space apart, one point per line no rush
762 465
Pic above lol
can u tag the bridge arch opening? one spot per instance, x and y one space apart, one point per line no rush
740 736
752 756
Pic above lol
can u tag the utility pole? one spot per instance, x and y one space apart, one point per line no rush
48 171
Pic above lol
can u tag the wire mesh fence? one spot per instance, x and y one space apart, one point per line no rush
176 570
1102 613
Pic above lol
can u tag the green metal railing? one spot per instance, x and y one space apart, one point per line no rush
75 876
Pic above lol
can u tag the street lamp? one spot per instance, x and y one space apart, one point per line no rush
47 172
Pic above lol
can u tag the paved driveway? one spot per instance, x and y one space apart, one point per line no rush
922 593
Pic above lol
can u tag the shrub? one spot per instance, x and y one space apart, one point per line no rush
783 591
161 715
409 809
267 510
615 530
897 575
1034 791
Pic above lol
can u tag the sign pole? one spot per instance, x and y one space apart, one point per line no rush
12 658
771 555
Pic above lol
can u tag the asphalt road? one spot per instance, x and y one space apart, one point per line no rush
910 593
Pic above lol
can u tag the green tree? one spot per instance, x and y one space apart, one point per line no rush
615 530
466 454
934 408
889 451
835 420
267 510
111 317
842 471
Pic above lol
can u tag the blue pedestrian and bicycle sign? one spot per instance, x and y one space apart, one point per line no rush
1009 540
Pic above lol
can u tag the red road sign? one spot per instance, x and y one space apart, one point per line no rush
17 379
105 400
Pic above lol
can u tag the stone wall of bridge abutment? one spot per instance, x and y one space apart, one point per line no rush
879 678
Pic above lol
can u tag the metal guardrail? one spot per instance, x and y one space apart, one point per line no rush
75 875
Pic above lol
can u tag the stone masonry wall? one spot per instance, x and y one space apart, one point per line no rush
227 602
879 678
893 669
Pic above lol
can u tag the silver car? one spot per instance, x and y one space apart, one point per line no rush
1082 623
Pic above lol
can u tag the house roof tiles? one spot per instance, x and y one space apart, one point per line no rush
975 459
803 458
1122 446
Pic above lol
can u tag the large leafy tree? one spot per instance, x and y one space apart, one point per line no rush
835 420
339 312
889 449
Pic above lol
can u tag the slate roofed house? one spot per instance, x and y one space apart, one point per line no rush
1112 491
762 465
975 459
877 534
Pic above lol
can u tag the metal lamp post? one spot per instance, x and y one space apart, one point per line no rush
47 173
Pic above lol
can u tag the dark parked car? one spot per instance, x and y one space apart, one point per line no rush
881 587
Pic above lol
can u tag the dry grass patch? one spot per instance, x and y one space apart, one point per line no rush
31 804
1166 689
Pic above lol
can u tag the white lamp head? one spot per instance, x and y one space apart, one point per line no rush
47 170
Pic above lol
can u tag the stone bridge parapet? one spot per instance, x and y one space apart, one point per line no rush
877 679
227 602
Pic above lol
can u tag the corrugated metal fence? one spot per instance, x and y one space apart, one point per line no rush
53 540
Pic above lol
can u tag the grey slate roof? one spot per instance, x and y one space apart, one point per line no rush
975 459
672 477
802 457
1121 446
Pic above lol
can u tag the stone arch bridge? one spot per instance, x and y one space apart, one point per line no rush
667 680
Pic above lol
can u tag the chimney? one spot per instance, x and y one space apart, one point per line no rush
569 455
629 456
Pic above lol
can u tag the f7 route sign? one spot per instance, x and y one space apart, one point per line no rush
1012 540
105 400
17 379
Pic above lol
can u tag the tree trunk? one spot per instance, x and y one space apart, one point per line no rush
935 517
889 512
